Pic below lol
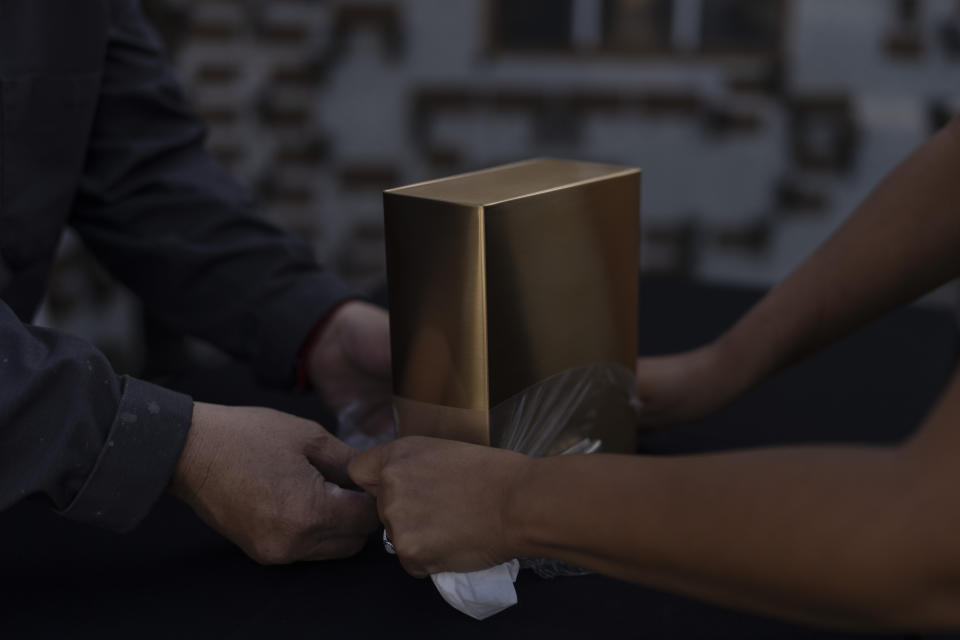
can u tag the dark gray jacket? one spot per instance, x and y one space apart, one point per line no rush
94 133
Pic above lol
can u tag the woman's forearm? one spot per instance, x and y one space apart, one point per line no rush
792 533
851 536
900 243
842 536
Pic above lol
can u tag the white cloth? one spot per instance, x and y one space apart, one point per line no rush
480 594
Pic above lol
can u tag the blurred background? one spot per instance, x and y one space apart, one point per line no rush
758 125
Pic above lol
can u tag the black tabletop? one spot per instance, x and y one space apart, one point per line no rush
173 577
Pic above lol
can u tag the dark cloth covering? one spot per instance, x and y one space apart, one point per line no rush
173 577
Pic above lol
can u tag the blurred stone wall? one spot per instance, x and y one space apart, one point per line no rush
759 125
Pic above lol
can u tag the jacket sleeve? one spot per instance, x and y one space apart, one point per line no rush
161 214
99 447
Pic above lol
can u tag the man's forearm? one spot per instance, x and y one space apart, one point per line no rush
97 446
901 242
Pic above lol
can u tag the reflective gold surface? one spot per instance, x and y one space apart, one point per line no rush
501 278
436 287
441 421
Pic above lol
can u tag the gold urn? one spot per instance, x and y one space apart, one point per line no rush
513 306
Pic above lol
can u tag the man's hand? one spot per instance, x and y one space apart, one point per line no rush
266 480
446 505
350 366
689 385
352 357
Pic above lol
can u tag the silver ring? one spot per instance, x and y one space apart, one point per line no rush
387 545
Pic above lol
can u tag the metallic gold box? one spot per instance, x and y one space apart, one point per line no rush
513 305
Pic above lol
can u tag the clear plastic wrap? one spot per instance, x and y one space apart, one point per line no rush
566 414
367 422
570 413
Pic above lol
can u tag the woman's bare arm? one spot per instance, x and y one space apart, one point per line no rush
859 537
900 243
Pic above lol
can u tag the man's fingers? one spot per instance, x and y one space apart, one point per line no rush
330 456
351 513
365 469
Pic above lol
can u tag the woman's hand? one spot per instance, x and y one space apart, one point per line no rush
689 385
446 505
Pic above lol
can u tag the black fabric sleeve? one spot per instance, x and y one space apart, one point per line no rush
100 448
173 226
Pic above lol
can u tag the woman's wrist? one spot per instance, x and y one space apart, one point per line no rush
739 360
521 508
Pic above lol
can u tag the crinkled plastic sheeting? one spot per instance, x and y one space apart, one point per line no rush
572 412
